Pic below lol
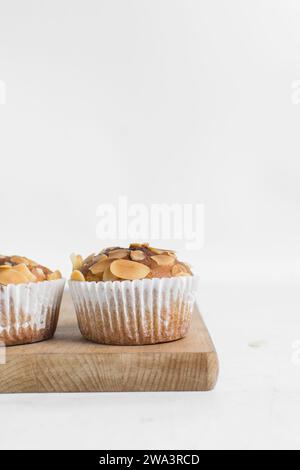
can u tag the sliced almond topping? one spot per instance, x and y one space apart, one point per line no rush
22 268
100 266
99 257
160 251
19 260
89 259
77 261
156 250
178 270
171 253
10 276
110 248
163 260
118 254
89 277
108 275
31 263
126 269
39 274
77 276
6 266
54 276
137 255
139 245
182 274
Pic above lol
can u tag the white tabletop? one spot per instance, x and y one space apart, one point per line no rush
256 403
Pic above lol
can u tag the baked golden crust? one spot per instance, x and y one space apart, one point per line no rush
22 270
139 261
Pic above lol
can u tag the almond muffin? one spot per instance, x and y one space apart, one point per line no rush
132 296
30 298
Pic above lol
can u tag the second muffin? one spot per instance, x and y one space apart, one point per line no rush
133 296
30 298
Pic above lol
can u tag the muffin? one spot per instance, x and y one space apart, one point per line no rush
30 298
132 296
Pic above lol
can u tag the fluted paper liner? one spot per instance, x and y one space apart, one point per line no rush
29 312
138 312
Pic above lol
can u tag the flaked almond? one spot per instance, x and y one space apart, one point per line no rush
139 245
182 274
157 251
10 276
77 261
110 248
160 251
22 268
100 266
100 257
89 259
89 277
108 275
179 269
6 266
19 260
137 255
163 260
118 254
131 270
171 253
54 276
39 274
31 263
77 276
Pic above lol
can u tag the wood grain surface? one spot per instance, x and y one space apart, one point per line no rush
69 363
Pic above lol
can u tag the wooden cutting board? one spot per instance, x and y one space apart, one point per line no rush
69 363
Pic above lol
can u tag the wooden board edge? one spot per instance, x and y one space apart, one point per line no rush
153 372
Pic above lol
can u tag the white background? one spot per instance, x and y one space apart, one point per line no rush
162 101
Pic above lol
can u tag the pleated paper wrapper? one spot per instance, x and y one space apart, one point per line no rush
137 312
29 312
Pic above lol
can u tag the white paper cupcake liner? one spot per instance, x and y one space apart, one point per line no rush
29 312
138 312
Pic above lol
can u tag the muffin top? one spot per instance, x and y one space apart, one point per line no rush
21 270
139 261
